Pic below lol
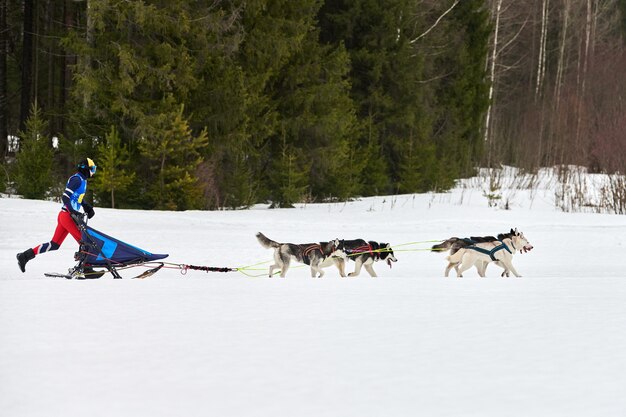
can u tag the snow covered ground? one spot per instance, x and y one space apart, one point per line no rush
408 343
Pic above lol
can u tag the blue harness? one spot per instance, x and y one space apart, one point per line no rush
491 252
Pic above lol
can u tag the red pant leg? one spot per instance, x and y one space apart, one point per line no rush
65 220
65 225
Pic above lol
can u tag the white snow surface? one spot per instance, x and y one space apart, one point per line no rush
408 343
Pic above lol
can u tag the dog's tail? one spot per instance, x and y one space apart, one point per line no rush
445 245
456 256
266 242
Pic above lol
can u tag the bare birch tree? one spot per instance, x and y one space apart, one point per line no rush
562 48
492 68
543 39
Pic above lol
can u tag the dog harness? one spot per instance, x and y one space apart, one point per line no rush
373 248
491 252
306 252
361 249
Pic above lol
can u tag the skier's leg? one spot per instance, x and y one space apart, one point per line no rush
59 236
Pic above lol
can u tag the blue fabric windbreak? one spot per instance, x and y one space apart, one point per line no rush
106 249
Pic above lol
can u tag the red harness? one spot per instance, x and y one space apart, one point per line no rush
312 248
363 249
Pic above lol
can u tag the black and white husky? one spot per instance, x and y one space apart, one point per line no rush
364 254
317 255
480 251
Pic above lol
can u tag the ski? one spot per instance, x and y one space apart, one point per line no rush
85 275
148 273
97 274
58 275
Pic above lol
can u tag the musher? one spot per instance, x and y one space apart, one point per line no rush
72 203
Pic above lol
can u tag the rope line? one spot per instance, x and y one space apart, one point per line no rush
246 270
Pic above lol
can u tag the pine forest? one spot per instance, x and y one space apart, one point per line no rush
222 104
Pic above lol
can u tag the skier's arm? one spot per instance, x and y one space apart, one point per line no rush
72 186
89 210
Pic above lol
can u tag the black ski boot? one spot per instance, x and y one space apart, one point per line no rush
24 257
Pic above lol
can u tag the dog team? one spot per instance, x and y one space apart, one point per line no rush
463 254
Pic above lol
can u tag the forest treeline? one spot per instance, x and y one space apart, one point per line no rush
227 103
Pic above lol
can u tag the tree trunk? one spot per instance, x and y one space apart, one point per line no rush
561 61
86 59
50 100
65 77
492 75
583 75
541 63
4 103
27 62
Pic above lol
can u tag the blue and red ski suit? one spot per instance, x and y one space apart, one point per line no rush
72 202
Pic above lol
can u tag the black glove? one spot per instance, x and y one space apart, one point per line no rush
89 210
77 216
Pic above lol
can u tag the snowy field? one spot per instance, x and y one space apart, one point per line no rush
409 343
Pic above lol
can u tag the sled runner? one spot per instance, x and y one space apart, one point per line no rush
99 253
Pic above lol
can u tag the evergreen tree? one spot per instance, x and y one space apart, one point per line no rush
113 162
297 104
289 178
319 119
171 153
140 61
385 76
417 167
275 30
35 158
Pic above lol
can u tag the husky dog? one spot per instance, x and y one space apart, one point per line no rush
480 254
364 254
317 255
455 243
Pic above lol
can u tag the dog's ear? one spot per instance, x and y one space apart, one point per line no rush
512 231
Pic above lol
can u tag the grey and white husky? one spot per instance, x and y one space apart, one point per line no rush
317 255
364 254
480 251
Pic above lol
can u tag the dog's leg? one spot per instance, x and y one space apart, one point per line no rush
316 271
484 268
357 268
277 263
466 263
449 267
369 267
341 266
481 267
454 260
509 265
505 272
316 268
284 267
